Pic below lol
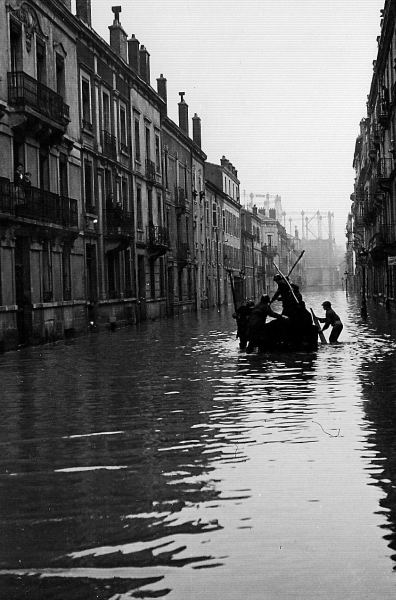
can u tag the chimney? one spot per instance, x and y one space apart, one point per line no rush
133 53
118 37
225 162
83 11
144 64
197 129
161 89
183 114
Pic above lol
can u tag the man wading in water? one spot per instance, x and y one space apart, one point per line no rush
331 319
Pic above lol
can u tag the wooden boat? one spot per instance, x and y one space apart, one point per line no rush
283 335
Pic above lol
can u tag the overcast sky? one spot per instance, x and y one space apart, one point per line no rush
280 86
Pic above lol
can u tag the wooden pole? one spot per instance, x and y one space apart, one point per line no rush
296 263
288 283
320 332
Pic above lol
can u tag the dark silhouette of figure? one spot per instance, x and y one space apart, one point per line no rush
257 320
242 315
333 320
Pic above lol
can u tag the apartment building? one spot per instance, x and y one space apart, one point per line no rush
373 210
42 287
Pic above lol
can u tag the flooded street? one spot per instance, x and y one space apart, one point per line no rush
163 462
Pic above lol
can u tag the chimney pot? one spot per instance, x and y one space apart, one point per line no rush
183 113
118 37
161 88
133 53
144 64
197 130
83 11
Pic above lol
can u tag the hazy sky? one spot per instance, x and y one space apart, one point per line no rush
280 86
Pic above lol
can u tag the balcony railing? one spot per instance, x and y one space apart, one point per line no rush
182 252
109 145
157 236
24 90
270 250
388 234
33 203
180 198
384 168
118 222
150 170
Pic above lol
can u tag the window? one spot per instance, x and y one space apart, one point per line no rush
109 188
16 47
137 140
159 209
128 292
41 62
47 272
66 272
89 203
63 178
106 112
44 168
161 277
86 104
123 130
166 170
269 238
60 75
157 154
124 193
214 215
147 141
139 213
152 280
150 205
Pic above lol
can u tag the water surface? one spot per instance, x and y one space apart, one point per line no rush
163 462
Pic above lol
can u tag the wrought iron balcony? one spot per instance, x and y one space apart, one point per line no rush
118 222
180 198
150 170
388 234
183 252
157 240
25 91
40 205
383 111
270 250
384 168
109 145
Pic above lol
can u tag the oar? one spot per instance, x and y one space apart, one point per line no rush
321 334
288 283
296 263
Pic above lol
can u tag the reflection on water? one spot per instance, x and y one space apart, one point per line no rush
162 462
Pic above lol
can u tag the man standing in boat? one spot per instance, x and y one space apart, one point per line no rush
331 319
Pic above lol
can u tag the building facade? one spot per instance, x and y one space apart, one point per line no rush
42 287
110 213
372 226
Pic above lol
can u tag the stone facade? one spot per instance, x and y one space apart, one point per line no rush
110 213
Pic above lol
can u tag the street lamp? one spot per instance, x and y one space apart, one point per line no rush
363 258
346 282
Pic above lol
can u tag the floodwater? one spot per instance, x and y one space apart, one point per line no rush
163 462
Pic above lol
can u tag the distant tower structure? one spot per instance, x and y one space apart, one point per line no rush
302 224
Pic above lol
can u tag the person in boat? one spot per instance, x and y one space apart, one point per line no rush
299 327
290 296
256 325
242 315
333 320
